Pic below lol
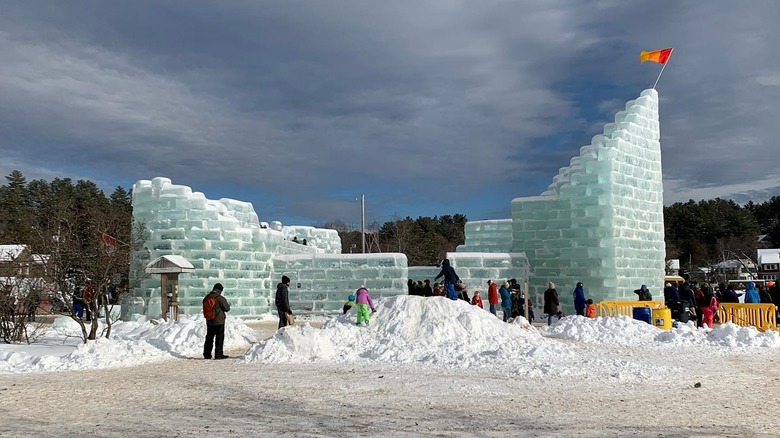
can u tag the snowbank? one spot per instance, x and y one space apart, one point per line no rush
405 330
131 343
728 336
611 331
625 331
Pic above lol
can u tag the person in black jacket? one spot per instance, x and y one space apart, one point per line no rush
729 295
774 293
764 295
688 297
283 301
349 304
427 291
450 278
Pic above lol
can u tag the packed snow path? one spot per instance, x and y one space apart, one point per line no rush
231 398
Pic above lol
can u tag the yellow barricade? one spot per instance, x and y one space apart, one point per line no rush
760 316
615 308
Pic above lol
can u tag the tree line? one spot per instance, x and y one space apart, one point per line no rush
707 232
424 240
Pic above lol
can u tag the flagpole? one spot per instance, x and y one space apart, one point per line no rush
662 68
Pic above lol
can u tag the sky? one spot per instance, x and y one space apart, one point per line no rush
428 108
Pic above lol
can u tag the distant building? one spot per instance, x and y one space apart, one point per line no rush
734 269
19 261
769 264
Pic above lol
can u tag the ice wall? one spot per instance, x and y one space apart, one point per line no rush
322 282
226 242
476 268
488 236
601 219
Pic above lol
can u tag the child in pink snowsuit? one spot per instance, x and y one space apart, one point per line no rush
708 311
363 302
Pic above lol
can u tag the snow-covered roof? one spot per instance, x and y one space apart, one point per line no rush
768 256
21 284
9 253
769 259
169 264
41 258
734 264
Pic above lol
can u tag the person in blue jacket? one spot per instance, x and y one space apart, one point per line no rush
751 294
579 300
506 300
671 295
450 278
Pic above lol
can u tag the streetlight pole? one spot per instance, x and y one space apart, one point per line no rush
363 220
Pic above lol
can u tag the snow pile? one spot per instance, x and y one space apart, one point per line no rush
625 331
184 338
726 335
405 329
131 343
441 332
619 330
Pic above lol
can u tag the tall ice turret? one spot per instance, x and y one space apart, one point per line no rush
600 221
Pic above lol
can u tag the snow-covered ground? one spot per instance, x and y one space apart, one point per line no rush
132 343
423 367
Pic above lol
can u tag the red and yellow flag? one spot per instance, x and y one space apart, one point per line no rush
659 56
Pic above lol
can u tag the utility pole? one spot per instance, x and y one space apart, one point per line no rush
690 267
363 220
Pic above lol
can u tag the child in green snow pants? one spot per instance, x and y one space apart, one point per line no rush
362 313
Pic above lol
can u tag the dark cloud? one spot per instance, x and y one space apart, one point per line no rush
426 107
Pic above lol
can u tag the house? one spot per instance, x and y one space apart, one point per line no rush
768 264
19 261
734 269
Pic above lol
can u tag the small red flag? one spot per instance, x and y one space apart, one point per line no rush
659 56
109 243
108 240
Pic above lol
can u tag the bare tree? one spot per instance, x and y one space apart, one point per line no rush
19 300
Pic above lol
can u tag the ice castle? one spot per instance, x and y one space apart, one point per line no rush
600 222
227 243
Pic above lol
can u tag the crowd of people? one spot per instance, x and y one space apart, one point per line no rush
699 301
507 297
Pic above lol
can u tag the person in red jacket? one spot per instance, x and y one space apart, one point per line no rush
493 296
477 300
708 309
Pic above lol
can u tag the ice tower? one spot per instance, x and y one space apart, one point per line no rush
600 220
